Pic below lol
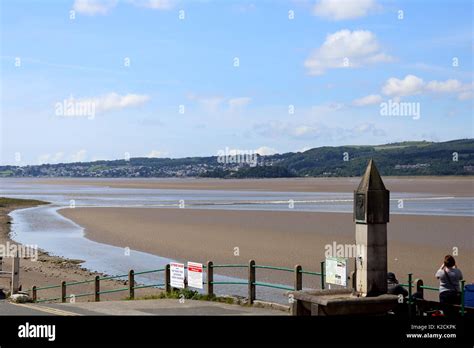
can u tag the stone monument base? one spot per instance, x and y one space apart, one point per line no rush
340 302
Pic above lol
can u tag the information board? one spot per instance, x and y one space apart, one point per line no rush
177 275
336 271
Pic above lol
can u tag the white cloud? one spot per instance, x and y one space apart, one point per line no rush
155 4
211 104
344 9
245 8
266 151
114 101
467 95
346 49
79 156
368 100
448 86
466 91
315 131
368 128
50 158
236 103
301 131
157 154
42 159
94 7
103 7
217 103
413 85
410 85
57 157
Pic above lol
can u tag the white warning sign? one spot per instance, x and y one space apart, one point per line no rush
177 275
195 275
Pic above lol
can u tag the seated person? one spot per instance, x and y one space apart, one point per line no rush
393 288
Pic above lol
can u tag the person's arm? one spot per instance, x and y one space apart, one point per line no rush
439 273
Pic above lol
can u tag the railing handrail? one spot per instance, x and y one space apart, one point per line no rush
113 277
427 287
48 287
231 265
151 271
285 269
78 283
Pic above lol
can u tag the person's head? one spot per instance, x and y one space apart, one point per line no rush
449 261
391 277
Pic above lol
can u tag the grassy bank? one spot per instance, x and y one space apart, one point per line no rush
17 203
9 204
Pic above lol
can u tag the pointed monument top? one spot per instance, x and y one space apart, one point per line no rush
371 179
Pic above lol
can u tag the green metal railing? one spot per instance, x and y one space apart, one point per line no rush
252 283
97 292
420 287
298 271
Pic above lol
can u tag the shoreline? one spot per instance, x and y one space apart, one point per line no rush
48 269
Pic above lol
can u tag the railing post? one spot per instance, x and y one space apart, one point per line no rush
210 279
97 289
298 278
131 284
322 275
251 284
15 274
167 278
419 288
410 285
463 282
33 293
63 291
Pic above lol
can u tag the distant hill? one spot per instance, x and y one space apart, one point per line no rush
454 157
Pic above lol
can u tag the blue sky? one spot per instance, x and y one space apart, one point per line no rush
309 73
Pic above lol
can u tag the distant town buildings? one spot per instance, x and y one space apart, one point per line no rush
412 166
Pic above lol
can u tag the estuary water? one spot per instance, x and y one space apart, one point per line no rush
45 227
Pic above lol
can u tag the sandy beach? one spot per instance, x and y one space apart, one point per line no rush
457 186
417 244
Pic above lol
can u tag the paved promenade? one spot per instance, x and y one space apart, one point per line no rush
139 307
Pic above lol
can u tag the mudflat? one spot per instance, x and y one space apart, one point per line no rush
417 244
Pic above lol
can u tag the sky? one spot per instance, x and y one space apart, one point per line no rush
85 80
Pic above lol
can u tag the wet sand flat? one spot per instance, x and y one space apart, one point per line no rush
417 244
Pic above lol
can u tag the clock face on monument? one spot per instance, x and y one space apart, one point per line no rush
360 207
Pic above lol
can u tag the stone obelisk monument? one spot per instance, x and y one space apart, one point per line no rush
371 215
369 294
